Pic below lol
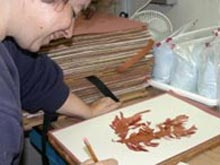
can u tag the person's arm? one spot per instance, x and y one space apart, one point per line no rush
43 88
74 106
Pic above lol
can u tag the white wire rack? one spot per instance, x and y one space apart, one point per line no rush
158 23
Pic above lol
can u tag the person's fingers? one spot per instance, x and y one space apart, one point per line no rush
107 104
107 162
104 105
107 101
103 162
112 106
87 162
103 102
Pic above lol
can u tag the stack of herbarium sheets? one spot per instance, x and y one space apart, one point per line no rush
98 48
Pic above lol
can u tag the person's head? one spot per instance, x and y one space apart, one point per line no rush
37 22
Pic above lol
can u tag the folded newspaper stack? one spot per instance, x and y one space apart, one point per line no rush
99 46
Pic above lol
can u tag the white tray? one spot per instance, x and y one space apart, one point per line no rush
193 96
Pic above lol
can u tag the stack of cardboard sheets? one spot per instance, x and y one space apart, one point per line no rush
99 47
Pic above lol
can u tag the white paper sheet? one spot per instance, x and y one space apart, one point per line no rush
100 135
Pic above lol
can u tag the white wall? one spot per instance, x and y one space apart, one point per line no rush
206 11
128 6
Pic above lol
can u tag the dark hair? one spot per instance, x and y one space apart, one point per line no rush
52 1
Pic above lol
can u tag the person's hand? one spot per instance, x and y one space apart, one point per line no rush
103 105
103 162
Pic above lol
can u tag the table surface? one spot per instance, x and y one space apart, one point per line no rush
210 156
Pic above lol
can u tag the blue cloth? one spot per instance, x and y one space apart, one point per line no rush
10 110
27 82
41 80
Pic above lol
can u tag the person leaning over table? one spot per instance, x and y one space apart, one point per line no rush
33 82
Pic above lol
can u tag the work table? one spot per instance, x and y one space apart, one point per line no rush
207 152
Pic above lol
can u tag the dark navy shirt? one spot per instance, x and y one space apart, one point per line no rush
29 82
41 80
